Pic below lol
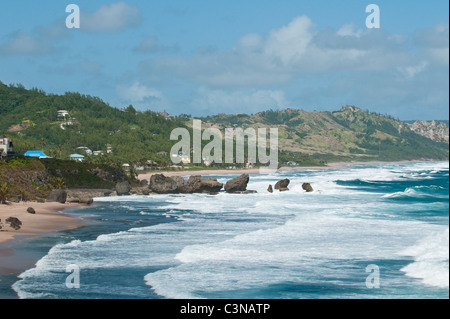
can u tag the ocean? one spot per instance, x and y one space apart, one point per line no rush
366 231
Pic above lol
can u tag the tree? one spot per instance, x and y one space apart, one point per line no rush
57 182
131 109
4 192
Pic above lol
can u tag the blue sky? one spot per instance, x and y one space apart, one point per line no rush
207 57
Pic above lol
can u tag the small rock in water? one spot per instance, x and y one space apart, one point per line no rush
307 187
282 185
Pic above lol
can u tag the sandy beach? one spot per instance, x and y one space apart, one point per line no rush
46 219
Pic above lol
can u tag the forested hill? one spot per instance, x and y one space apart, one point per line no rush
30 118
349 134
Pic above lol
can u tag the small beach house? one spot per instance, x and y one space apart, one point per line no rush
77 157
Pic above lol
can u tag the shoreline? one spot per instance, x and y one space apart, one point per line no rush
49 218
334 165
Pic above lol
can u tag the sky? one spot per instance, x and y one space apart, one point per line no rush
203 57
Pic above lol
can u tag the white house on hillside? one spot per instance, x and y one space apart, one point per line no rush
77 157
6 147
63 113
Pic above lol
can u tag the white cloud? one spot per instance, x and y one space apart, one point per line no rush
435 43
286 53
251 41
382 71
142 97
24 43
411 71
289 43
111 18
347 30
248 101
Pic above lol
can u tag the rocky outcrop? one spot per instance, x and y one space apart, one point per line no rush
123 188
307 187
14 199
238 184
58 196
14 222
141 190
270 189
86 196
143 183
199 184
432 130
282 185
161 184
82 200
108 173
179 180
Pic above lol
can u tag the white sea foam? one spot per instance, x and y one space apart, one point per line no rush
431 259
231 241
295 249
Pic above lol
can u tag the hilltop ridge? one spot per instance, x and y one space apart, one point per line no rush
34 119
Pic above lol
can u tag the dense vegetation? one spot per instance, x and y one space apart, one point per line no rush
33 179
30 118
346 135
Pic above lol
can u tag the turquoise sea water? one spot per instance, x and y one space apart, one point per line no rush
294 244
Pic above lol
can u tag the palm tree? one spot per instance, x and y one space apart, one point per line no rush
4 192
58 182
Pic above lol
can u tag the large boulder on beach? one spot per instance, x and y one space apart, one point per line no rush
238 184
143 183
140 190
85 200
30 210
199 184
14 222
179 180
123 188
58 196
307 187
282 185
162 184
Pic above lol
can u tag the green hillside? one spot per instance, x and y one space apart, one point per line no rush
30 118
349 134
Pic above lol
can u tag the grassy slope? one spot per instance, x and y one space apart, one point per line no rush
347 134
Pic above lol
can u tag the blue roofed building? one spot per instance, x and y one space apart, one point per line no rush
37 154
